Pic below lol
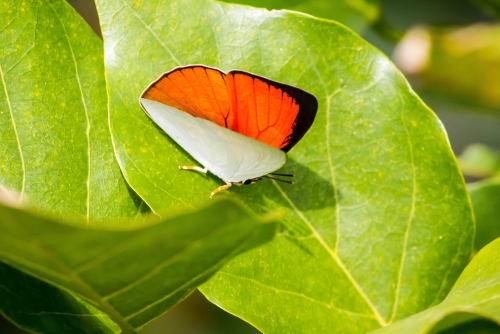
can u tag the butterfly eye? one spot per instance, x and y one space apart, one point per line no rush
247 182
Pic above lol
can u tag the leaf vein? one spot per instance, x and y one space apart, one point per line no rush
332 169
87 291
85 108
66 314
152 32
410 219
193 245
13 259
301 295
448 270
334 256
23 184
195 278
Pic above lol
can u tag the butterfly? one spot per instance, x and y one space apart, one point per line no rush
237 125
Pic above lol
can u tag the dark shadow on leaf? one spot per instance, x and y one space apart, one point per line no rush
141 206
290 236
310 191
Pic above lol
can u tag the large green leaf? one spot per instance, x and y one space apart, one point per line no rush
134 274
53 115
378 225
485 197
356 14
477 291
54 139
40 307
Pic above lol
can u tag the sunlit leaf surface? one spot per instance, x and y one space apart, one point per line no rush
355 14
53 115
378 224
477 291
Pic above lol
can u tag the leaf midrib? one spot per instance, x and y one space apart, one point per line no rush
151 32
90 294
15 132
334 256
87 118
195 278
410 218
195 244
332 253
300 295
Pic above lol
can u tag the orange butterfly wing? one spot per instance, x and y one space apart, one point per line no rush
197 90
268 111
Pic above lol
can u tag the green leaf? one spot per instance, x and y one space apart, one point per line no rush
356 14
54 139
477 325
53 114
485 197
477 291
480 161
133 274
378 224
465 323
40 307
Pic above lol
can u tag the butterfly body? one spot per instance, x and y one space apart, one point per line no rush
238 125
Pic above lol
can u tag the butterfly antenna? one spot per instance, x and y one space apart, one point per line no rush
273 178
288 175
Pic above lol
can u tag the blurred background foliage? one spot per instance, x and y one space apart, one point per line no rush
450 52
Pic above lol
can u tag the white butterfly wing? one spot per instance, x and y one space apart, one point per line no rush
254 158
227 154
191 134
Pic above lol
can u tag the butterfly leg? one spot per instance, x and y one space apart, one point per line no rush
227 186
199 169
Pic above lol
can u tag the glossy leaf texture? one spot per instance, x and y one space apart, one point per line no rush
55 143
134 274
485 197
356 14
477 292
53 119
378 224
43 308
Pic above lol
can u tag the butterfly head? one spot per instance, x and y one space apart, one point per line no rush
251 181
